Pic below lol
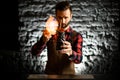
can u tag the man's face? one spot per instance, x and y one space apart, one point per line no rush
63 18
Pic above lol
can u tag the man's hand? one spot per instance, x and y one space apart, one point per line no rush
46 35
66 48
50 29
51 25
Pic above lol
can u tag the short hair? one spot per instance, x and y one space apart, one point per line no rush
63 5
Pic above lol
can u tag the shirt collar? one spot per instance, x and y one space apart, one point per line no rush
68 30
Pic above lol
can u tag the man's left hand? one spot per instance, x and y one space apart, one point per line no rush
66 48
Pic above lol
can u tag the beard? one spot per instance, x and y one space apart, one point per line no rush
64 25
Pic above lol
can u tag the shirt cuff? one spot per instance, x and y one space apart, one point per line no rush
71 57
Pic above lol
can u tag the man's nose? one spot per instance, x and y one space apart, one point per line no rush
63 20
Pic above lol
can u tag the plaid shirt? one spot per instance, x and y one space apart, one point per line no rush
76 42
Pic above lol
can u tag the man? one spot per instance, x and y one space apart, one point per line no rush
61 61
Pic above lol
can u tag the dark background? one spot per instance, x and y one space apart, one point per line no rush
9 44
9 25
9 20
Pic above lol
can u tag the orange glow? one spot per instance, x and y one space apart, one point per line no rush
51 25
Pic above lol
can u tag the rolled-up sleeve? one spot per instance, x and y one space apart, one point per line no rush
38 47
77 49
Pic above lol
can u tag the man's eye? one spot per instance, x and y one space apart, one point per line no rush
66 17
60 17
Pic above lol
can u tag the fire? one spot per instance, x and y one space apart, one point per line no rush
51 25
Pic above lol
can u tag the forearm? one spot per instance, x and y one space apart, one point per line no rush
77 50
76 57
38 47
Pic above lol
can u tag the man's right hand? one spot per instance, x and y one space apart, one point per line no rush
46 35
50 29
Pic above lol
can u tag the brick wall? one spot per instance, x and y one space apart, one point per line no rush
96 20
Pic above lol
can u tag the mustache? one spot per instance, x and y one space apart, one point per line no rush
64 25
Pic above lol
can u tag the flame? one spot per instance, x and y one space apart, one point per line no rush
51 25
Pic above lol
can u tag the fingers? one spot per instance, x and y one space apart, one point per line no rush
66 51
66 45
46 33
66 48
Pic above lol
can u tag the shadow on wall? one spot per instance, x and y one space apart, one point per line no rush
9 44
11 65
9 29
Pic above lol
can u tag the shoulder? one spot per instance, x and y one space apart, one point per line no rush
75 33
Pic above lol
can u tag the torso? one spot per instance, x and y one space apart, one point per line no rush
57 63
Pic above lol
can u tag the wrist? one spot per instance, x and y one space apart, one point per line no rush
71 57
45 38
69 54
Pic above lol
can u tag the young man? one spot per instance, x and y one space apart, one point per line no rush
61 61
